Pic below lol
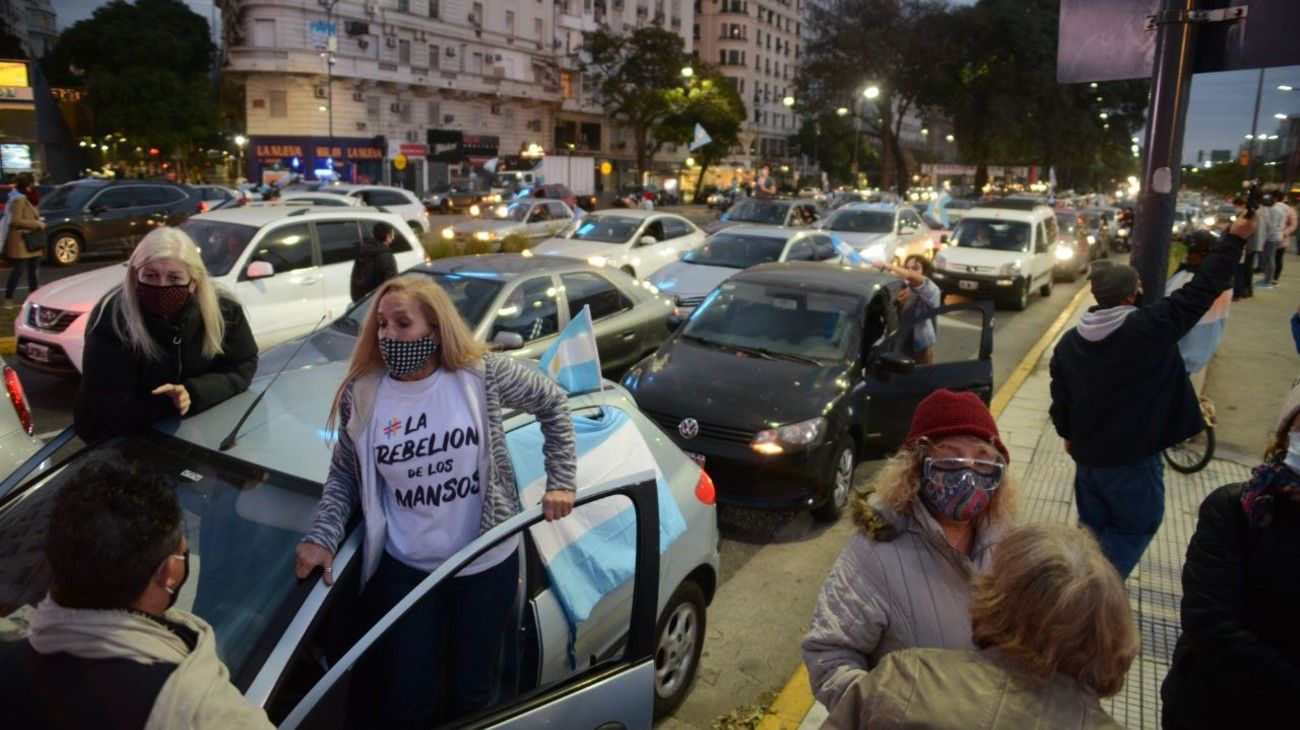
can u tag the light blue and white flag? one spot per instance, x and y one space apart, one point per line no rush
701 138
572 360
939 209
851 256
592 552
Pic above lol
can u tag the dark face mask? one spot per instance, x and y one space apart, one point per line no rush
162 301
403 357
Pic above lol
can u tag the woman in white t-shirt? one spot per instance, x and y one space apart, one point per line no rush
421 449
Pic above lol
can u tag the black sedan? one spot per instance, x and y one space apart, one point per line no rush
518 303
788 373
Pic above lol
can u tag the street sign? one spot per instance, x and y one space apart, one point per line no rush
399 161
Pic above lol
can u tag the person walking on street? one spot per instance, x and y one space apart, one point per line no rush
1237 661
928 524
1120 395
375 262
1288 216
1273 215
766 184
108 648
20 217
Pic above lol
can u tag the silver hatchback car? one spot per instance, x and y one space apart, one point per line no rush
608 622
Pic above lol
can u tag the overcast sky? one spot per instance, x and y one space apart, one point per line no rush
1218 116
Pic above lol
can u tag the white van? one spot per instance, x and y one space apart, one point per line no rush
1002 250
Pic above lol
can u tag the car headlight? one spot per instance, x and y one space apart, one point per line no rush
1123 232
597 260
1064 253
484 235
1092 240
1010 269
474 209
1173 228
773 441
448 233
1209 220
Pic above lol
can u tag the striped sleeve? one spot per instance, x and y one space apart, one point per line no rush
342 490
522 386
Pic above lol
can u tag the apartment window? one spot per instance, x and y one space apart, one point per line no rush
539 28
404 111
435 11
372 107
476 66
477 12
404 51
279 103
510 22
695 31
264 33
435 56
403 6
435 113
566 85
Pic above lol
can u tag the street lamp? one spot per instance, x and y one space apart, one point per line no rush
1285 87
950 138
871 92
842 111
687 72
788 101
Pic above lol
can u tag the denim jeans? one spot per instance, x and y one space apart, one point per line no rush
1268 259
440 661
1244 284
1123 506
31 265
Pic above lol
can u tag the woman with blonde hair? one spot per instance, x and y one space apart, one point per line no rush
421 449
166 342
1054 634
928 526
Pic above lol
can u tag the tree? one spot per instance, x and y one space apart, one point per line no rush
634 74
709 99
828 139
145 68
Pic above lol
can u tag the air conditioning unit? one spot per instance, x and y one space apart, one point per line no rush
361 126
358 96
496 58
474 20
448 118
371 7
320 92
356 27
495 108
391 41
451 52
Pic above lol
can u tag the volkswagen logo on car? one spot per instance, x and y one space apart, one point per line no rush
689 428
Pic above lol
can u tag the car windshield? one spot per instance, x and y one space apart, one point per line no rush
517 212
862 221
776 319
992 234
68 197
605 229
759 211
220 244
232 511
471 295
1067 223
736 250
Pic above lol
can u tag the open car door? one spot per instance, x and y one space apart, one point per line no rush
552 674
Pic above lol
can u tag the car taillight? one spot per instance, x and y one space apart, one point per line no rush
704 490
14 387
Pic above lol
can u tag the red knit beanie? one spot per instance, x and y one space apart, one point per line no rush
948 413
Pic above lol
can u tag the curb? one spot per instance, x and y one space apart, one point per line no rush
8 345
792 704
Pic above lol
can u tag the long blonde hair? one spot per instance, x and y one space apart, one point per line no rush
898 483
457 347
166 243
1053 603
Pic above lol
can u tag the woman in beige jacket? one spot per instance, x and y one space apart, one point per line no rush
20 217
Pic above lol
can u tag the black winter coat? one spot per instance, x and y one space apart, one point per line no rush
1127 395
114 397
1237 663
375 264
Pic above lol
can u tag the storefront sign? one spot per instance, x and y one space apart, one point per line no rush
16 93
323 35
312 153
411 149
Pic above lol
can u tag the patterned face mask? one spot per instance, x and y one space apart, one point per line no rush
404 357
960 489
162 301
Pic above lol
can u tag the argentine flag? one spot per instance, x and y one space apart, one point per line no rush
572 360
939 209
851 255
591 553
701 138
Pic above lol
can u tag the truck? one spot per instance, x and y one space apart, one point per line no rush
577 173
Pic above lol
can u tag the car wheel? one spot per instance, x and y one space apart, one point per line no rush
445 207
1046 289
65 248
841 482
1022 299
679 639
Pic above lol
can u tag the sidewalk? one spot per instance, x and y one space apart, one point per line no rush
1248 378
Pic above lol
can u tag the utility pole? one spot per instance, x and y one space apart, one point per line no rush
1254 125
331 45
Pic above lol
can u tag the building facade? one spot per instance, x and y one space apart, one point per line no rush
448 84
33 22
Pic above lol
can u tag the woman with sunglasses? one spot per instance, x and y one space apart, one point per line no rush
926 528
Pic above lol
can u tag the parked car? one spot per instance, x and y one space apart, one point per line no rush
549 191
395 200
1003 250
533 218
640 242
290 268
809 376
216 197
95 216
957 208
701 270
1072 252
329 200
881 231
456 196
769 212
292 646
1187 220
723 199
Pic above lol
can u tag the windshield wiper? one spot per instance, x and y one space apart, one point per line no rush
773 355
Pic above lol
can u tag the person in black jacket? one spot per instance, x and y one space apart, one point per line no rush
375 262
1120 395
166 342
1237 662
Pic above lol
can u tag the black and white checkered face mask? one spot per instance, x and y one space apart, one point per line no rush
404 357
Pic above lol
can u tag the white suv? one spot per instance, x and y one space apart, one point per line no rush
1002 249
289 267
395 200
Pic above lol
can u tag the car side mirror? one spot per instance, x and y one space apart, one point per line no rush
647 241
894 362
508 340
259 270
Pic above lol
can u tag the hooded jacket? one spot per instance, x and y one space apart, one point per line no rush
196 693
116 383
898 584
1119 385
375 264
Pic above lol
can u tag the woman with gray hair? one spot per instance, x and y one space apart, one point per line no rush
1053 631
167 341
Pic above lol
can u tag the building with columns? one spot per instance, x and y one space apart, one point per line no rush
448 84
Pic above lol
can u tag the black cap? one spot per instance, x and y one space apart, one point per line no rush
1112 282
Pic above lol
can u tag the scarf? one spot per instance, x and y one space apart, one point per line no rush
1268 480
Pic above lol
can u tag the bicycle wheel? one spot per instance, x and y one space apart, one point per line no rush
1193 454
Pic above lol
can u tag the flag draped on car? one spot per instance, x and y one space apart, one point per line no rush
851 255
573 360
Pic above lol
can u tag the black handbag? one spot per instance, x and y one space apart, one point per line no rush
34 241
